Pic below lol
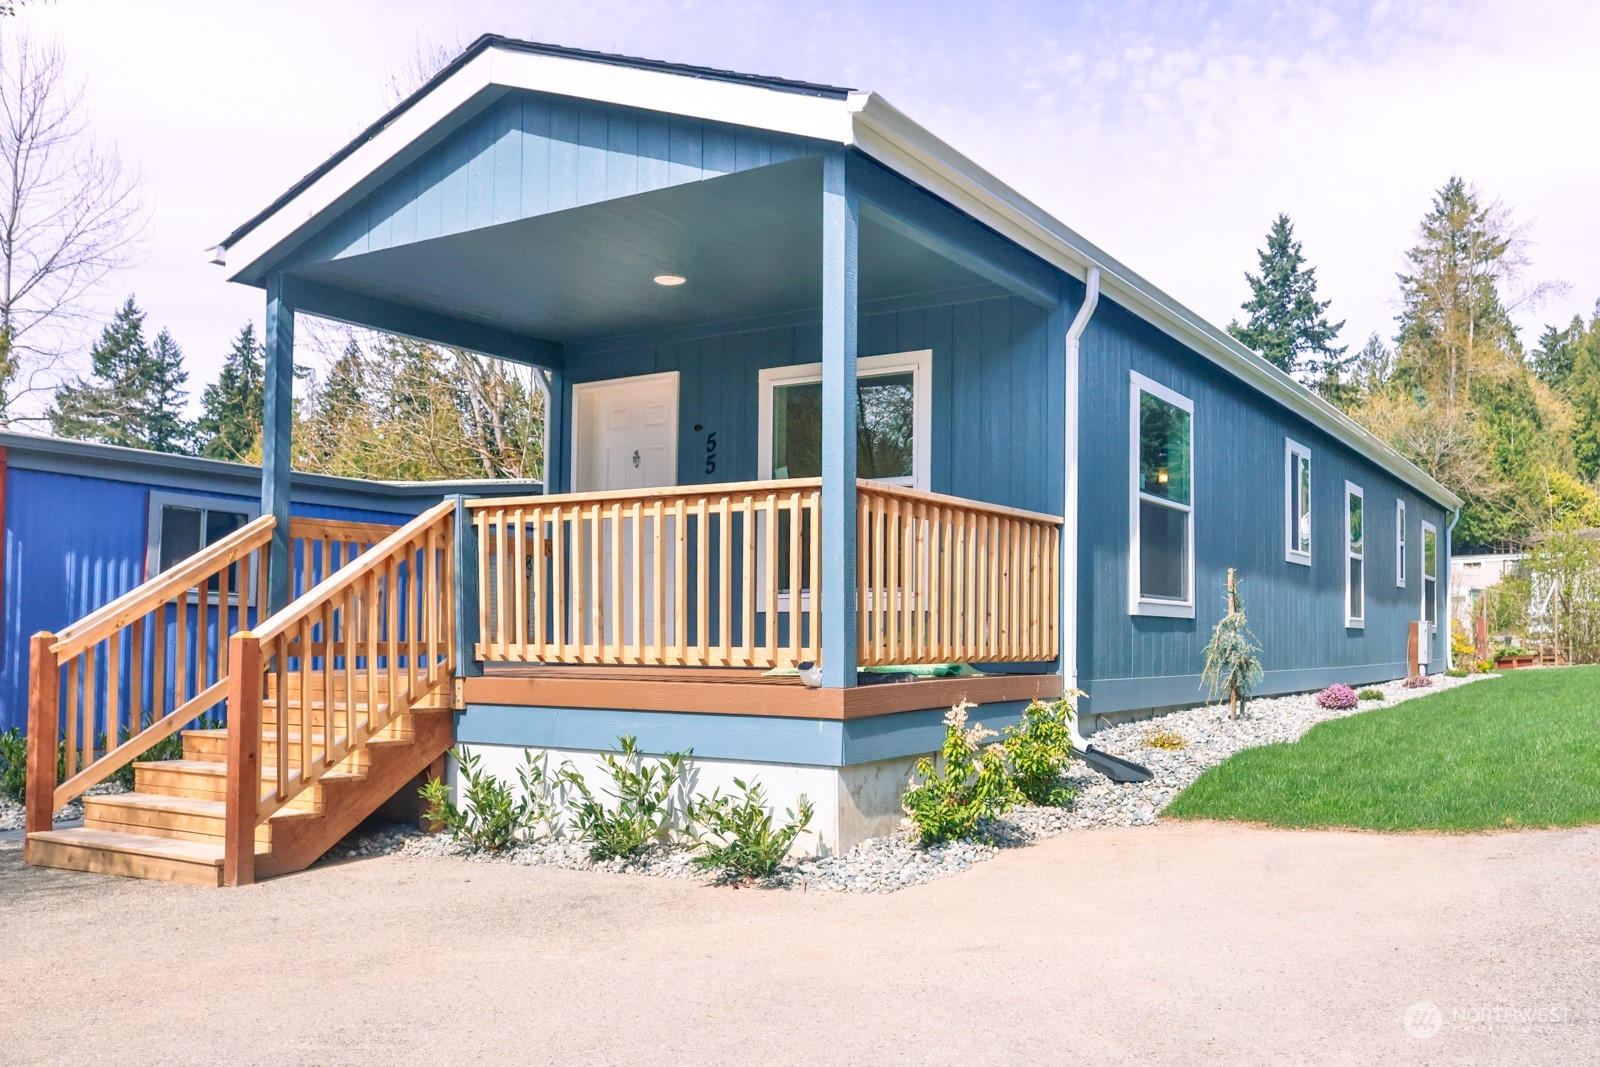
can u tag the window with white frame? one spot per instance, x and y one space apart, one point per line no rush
182 524
1161 516
1355 578
894 407
1400 543
1297 502
1430 576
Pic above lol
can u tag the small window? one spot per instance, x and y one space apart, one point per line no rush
181 525
1297 502
1161 575
1355 580
1400 543
1430 576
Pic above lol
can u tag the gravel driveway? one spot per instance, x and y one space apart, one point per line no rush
1177 943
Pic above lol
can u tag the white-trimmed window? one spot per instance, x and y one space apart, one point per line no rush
1400 543
1161 513
1355 562
1430 576
182 524
1296 502
894 413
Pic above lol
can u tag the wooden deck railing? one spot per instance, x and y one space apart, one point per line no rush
946 580
716 576
729 576
382 626
134 672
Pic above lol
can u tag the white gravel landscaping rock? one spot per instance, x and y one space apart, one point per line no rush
885 864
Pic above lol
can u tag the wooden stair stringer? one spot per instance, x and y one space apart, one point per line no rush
346 802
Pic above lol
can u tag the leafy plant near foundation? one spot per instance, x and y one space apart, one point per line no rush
641 808
947 799
14 764
1166 740
1337 698
1038 749
1455 672
1418 681
492 814
1370 694
746 845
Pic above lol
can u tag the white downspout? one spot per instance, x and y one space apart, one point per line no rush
1069 499
1444 567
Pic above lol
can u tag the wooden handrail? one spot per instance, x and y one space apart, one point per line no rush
511 503
143 599
962 503
339 530
275 626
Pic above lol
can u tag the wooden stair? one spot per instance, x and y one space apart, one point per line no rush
172 826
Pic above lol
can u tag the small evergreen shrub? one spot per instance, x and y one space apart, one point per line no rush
746 844
1038 749
641 808
1371 694
946 800
1166 740
1337 698
1455 672
1233 666
1418 681
491 815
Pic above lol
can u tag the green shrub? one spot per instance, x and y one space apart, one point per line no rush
641 808
1037 750
1455 672
169 747
491 815
1232 666
1370 694
748 846
14 764
970 783
1166 740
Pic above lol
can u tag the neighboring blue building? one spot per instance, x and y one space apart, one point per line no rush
820 389
86 522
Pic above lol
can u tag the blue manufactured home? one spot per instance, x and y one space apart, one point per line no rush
822 389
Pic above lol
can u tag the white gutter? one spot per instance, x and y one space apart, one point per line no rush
1069 499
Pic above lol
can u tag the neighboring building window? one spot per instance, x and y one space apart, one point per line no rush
1400 543
1430 576
1355 578
181 525
1297 502
1161 574
894 407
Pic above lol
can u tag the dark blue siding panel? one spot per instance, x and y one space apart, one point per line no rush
73 543
1296 612
528 155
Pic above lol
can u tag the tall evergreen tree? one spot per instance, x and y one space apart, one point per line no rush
1288 325
230 423
135 393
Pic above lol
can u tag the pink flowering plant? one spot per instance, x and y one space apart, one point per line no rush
1337 698
969 783
1418 681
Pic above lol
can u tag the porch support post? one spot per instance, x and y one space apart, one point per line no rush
276 422
466 591
557 432
840 221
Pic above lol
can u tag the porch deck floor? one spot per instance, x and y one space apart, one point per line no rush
735 691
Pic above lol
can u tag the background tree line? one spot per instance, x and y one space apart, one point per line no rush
1514 432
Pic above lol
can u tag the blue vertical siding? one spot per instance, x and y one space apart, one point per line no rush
1296 612
532 154
74 543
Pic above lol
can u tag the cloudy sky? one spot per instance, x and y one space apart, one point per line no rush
1169 133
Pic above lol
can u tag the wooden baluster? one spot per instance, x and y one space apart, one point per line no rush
502 581
90 700
391 632
430 603
594 544
113 687
724 571
796 594
330 694
814 508
74 710
617 563
519 581
749 599
241 802
562 599
702 627
770 594
44 711
370 647
638 586
658 515
863 576
349 627
578 578
680 604
480 519
308 715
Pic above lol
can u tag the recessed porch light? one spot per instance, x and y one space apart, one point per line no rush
670 279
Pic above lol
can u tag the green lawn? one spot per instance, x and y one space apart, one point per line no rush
1522 750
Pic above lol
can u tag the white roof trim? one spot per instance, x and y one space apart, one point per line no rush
863 120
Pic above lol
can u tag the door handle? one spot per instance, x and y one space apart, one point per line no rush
636 457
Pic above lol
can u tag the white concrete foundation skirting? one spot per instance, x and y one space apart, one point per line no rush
851 803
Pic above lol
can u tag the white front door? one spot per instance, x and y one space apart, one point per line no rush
625 436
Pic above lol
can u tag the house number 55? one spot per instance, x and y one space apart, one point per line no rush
711 452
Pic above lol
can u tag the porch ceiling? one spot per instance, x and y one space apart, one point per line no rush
749 245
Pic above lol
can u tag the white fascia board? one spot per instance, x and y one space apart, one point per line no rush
485 78
889 136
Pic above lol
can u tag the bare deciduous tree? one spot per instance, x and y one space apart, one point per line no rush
70 213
